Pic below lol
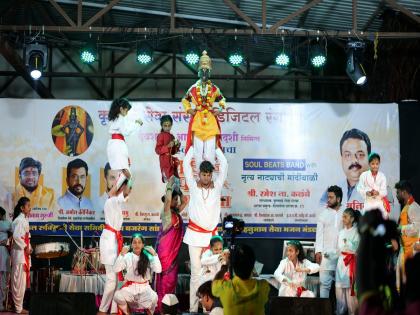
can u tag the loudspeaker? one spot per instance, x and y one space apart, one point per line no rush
63 304
300 306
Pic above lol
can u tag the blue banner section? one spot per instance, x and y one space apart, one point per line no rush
289 231
274 164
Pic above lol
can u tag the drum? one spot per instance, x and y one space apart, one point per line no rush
79 263
51 250
95 259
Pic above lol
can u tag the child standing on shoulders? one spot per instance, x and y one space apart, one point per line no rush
372 187
120 127
292 272
212 259
345 275
166 147
136 291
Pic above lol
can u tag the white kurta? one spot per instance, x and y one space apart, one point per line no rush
286 270
137 295
368 182
108 244
5 226
117 149
210 265
328 226
204 204
348 241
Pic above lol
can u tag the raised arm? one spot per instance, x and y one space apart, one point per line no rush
223 168
188 172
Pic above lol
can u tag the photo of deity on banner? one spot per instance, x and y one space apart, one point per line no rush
204 130
72 130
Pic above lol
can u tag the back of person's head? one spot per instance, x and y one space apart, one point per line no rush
243 260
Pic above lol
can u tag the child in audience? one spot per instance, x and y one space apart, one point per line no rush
292 272
136 291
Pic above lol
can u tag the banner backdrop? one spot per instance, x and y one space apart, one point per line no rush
282 157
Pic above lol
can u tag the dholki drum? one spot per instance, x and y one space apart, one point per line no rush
51 250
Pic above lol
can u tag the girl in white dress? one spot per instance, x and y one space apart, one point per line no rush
21 253
372 187
136 292
5 231
212 259
345 277
119 127
292 272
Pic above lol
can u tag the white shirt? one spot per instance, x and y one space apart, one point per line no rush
342 278
68 201
122 125
129 262
113 217
210 264
328 226
367 182
204 204
20 227
286 268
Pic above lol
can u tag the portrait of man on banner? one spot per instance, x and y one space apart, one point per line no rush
76 179
355 147
30 186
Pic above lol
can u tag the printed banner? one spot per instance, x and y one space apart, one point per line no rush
282 157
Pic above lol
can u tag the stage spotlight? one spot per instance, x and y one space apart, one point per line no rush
236 58
318 56
36 59
354 67
282 60
144 54
88 55
192 57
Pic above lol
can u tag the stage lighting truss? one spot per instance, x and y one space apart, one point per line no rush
36 59
354 66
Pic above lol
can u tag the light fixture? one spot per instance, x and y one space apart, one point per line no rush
36 56
282 60
354 66
88 55
144 54
236 58
192 57
318 55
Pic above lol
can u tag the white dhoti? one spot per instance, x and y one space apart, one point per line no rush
136 296
18 285
375 203
204 150
346 303
117 152
195 260
109 290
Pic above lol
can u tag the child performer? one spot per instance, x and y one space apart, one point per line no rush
21 253
5 231
111 242
169 240
212 259
345 277
372 187
204 128
119 128
140 264
292 271
166 147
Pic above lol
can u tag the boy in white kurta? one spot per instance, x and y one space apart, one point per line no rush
120 126
292 272
111 242
21 253
212 259
204 213
372 187
136 292
348 242
5 229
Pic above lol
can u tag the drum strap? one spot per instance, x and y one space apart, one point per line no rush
120 242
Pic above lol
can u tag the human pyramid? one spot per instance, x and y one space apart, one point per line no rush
203 144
